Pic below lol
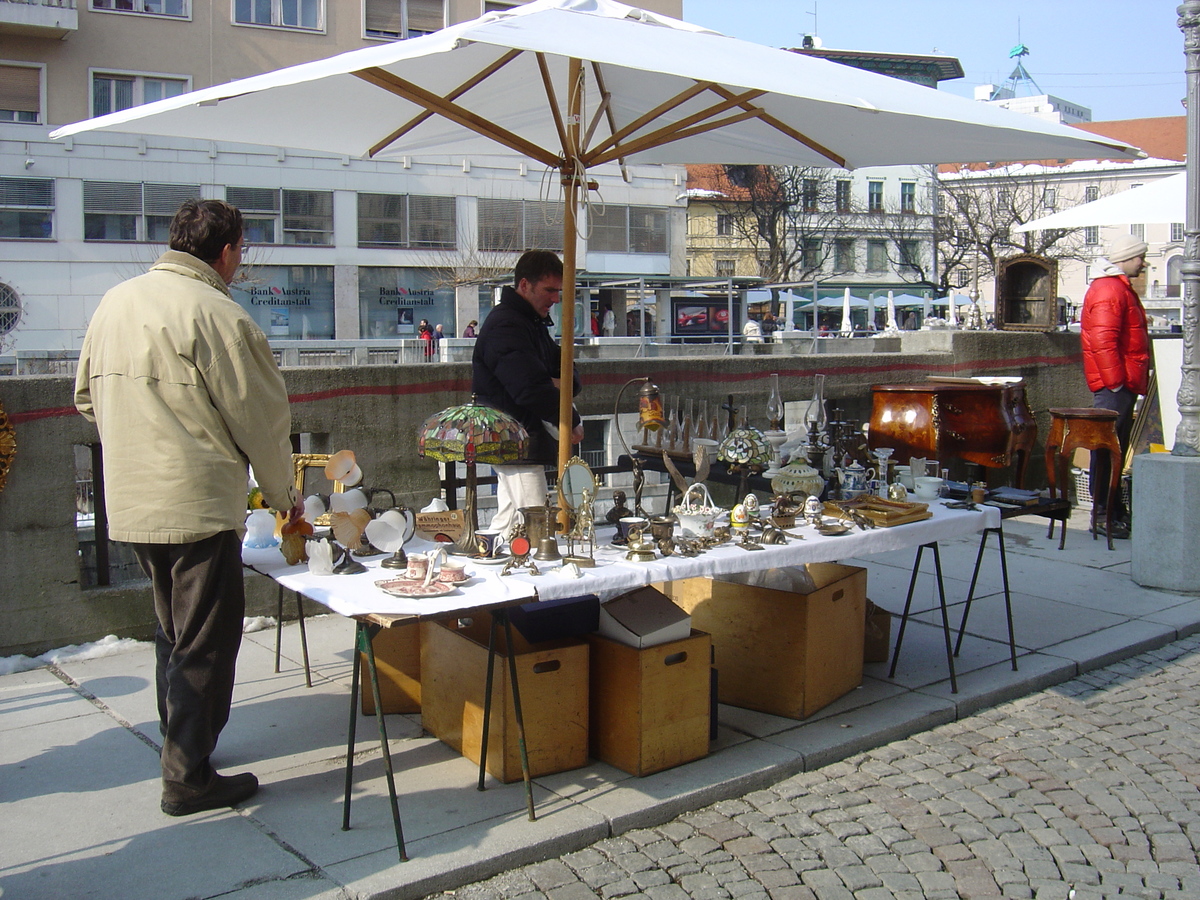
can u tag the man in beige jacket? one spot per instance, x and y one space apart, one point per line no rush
185 392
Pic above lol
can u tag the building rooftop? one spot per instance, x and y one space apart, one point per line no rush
921 68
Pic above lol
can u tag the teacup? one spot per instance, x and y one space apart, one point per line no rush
904 475
489 542
452 572
709 445
625 524
927 487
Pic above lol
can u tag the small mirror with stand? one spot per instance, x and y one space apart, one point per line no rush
577 490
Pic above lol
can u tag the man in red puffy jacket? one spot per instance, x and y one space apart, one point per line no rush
1116 357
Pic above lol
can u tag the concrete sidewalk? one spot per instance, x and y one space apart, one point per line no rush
79 777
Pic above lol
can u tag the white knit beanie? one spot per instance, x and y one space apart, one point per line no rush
1126 247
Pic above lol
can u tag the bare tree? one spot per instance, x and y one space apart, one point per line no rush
981 210
787 214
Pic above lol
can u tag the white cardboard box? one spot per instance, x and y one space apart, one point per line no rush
644 618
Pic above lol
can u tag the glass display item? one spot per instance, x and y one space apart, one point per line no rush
775 406
882 454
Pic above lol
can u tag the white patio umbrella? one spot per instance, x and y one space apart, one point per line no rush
847 329
576 84
892 324
1160 201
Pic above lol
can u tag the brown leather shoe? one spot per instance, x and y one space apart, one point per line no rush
225 790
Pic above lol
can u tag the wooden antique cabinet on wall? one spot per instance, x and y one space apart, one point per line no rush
1027 293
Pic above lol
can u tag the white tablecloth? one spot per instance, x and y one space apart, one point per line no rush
356 595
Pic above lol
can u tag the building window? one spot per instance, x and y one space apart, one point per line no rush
877 256
725 268
114 92
132 211
274 216
841 195
843 255
395 20
21 94
153 7
1138 230
511 226
962 277
27 208
808 194
1004 198
910 255
908 197
811 253
401 220
1177 233
874 196
10 309
629 229
1090 193
1091 235
724 224
1049 198
307 14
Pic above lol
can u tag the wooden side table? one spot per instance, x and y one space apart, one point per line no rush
1089 429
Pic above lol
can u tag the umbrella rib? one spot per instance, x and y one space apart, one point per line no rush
604 107
471 82
775 123
415 94
667 136
678 100
552 99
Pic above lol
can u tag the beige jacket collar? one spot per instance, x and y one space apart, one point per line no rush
185 264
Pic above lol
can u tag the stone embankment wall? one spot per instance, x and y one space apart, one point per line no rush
377 410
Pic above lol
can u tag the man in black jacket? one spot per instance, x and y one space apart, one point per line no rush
515 368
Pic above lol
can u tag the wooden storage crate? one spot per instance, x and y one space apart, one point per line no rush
777 650
553 678
398 662
649 708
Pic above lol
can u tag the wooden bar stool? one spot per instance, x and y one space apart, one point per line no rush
1089 429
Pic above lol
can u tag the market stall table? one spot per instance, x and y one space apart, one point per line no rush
358 597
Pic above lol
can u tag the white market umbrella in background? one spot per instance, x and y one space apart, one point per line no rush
847 329
576 84
892 324
1160 201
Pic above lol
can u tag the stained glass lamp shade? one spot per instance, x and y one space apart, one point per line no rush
745 446
472 434
744 449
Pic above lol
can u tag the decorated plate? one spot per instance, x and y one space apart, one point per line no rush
412 587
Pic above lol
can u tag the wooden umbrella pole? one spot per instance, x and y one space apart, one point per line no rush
573 182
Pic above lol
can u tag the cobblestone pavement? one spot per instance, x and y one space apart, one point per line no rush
1092 786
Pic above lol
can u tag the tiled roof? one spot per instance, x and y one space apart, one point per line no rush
1165 137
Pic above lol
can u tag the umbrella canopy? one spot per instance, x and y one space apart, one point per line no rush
1160 201
574 84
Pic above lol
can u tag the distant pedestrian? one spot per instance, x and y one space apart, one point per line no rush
425 333
608 322
469 331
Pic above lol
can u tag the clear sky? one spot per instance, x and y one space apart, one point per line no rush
1122 58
